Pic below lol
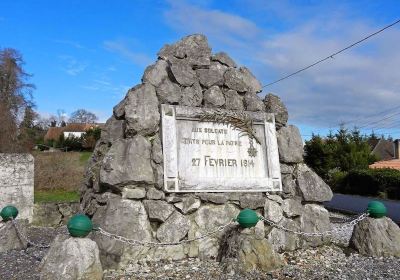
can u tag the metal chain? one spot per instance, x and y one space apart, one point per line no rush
25 238
135 242
328 232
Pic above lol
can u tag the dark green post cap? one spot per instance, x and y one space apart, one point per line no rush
79 225
9 212
376 209
247 218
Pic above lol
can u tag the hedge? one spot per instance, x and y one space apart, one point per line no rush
368 182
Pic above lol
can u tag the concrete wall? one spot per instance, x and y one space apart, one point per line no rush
16 183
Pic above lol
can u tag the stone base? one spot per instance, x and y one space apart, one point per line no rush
376 237
72 258
10 240
244 250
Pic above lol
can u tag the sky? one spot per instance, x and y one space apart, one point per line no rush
87 54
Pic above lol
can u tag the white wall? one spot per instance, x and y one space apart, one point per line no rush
16 183
74 134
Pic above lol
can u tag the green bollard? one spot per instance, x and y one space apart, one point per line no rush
247 218
9 212
79 225
376 209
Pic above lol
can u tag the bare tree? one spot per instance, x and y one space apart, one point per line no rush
82 116
15 96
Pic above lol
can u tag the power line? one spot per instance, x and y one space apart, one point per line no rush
332 55
378 121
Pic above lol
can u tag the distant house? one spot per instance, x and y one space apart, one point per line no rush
70 130
385 149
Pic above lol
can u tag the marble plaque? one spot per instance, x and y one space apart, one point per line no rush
208 156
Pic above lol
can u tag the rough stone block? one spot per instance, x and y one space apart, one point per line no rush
72 258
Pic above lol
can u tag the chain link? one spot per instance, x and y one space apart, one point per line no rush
135 242
315 234
25 238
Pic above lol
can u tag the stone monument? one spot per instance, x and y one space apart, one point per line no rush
187 149
16 183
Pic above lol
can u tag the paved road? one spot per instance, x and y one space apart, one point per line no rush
358 204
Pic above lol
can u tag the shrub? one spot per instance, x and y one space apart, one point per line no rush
370 182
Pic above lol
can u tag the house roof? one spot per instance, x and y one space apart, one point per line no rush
54 132
394 164
383 149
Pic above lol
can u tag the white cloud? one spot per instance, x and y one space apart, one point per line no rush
357 83
72 66
70 43
108 87
122 48
221 27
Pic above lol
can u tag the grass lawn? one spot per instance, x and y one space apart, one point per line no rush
43 196
84 157
58 175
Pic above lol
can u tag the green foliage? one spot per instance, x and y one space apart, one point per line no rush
72 143
343 151
90 137
371 182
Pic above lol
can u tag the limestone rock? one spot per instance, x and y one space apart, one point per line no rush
292 207
67 210
283 240
273 104
123 217
9 238
127 162
188 204
133 192
192 96
276 198
210 76
72 258
241 80
156 150
272 210
286 169
311 186
314 218
233 101
193 48
158 171
217 198
119 109
257 254
376 237
141 110
173 198
290 144
253 102
158 210
252 200
156 73
207 218
113 130
168 92
224 58
288 185
46 215
174 228
183 74
213 97
155 194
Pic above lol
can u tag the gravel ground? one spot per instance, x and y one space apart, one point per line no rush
335 261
